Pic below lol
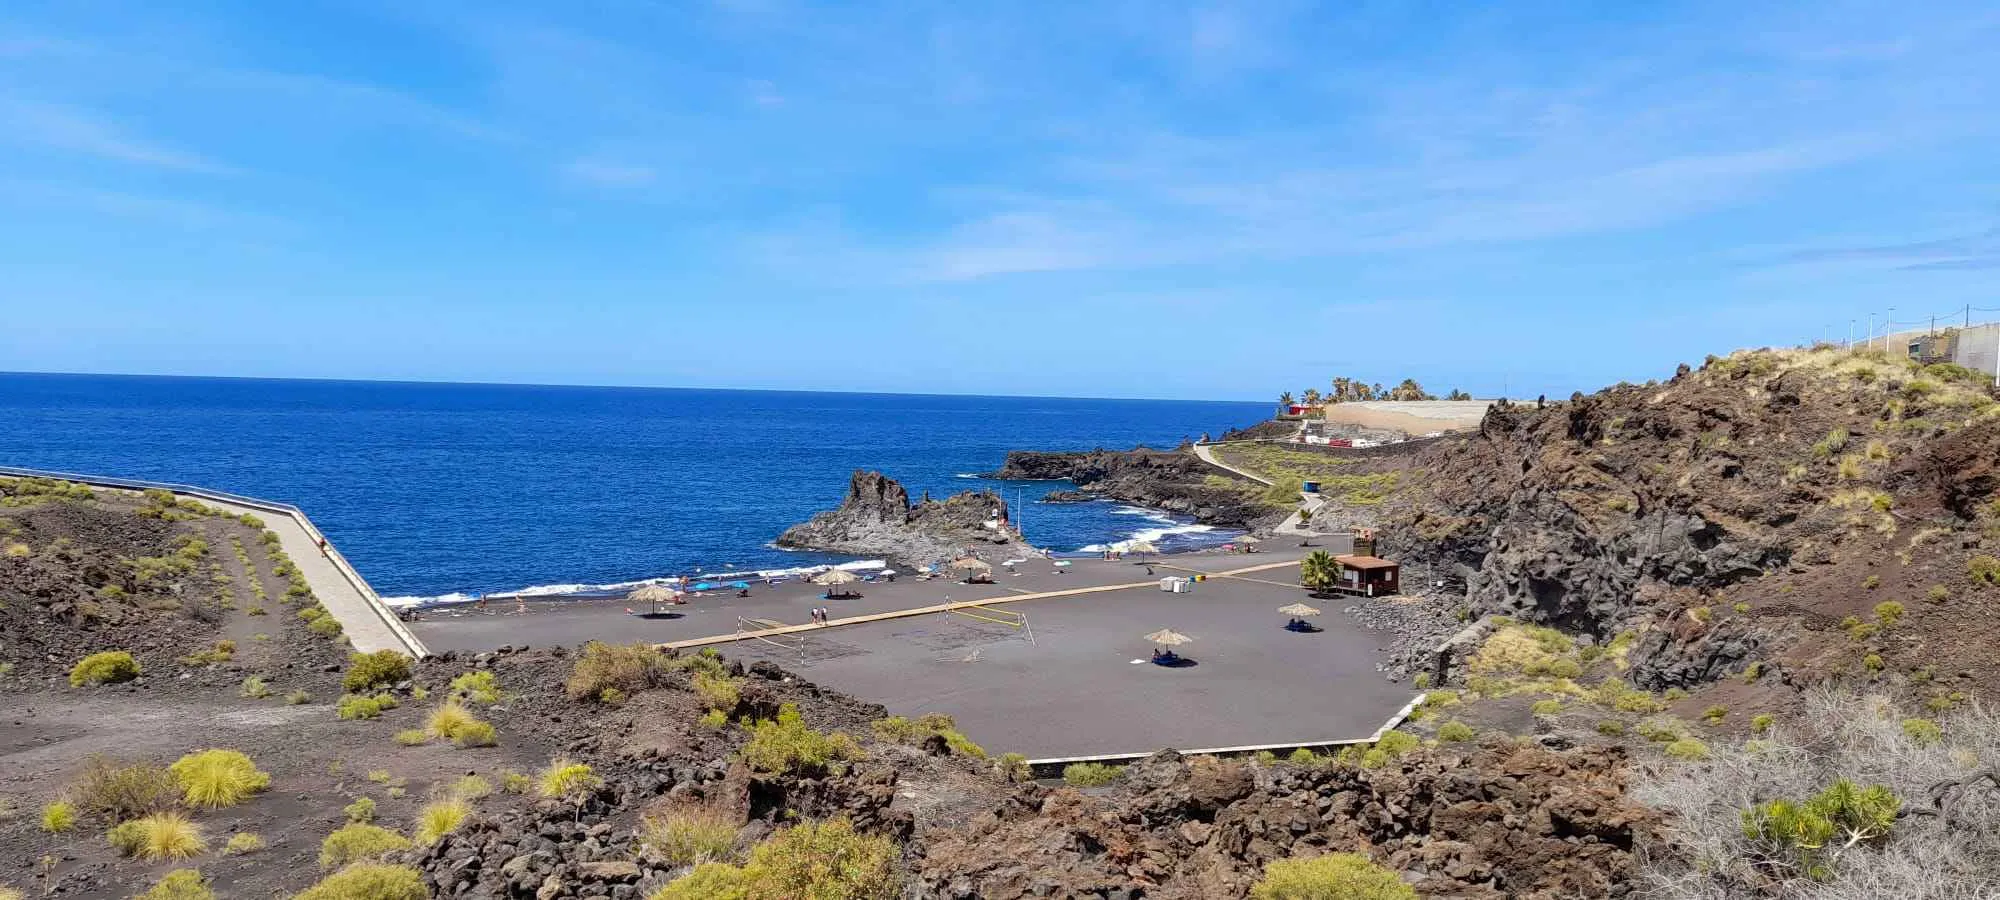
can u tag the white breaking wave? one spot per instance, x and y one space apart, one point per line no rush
562 590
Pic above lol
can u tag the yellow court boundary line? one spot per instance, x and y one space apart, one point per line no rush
941 607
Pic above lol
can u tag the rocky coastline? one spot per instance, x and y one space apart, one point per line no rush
877 518
1173 481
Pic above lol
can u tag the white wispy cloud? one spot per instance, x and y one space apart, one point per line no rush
76 130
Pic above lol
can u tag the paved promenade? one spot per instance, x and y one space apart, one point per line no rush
363 618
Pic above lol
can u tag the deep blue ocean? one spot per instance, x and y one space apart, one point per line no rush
436 489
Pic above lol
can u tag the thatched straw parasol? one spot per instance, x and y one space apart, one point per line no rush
972 564
654 594
832 577
1137 547
1167 637
1298 609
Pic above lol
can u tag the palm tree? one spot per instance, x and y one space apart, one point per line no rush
1285 399
1319 571
1312 396
1343 389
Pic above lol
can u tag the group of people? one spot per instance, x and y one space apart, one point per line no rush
1165 657
1298 624
819 615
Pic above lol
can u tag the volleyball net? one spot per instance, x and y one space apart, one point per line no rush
749 627
992 616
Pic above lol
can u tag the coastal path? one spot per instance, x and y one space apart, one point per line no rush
363 617
1153 583
1293 524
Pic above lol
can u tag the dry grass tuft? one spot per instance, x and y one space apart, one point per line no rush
160 836
369 881
212 779
358 841
439 818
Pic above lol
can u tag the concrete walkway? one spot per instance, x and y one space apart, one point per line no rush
365 620
1294 523
962 604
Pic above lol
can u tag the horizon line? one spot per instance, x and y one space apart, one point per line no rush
621 387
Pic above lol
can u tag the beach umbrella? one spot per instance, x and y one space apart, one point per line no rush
971 564
740 585
1298 609
1167 637
654 594
832 577
1137 548
890 572
704 586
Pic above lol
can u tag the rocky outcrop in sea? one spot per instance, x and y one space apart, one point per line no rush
1170 480
878 519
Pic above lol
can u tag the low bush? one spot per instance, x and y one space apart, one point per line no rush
813 861
412 737
297 698
627 668
565 779
243 842
439 818
1752 672
716 691
222 652
59 817
179 884
109 667
156 837
355 706
1715 714
449 719
475 734
1762 722
1087 774
688 837
358 841
255 688
516 783
479 686
926 727
1394 744
470 788
380 669
786 744
1984 569
115 793
213 779
1547 707
1937 594
1888 612
1335 876
361 810
1302 757
369 881
714 720
324 626
1689 749
1804 831
1013 767
1923 732
1454 732
1611 727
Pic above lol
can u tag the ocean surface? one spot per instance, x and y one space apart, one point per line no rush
433 490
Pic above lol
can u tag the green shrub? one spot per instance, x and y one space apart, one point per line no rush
413 737
1752 672
243 842
1834 442
159 836
1548 707
708 881
109 667
688 837
470 788
1013 767
1984 569
1843 813
1638 702
297 698
1088 774
255 688
923 728
439 818
361 810
369 881
180 884
116 793
358 841
380 669
1937 594
59 817
567 780
324 626
1611 727
516 783
1740 606
716 691
627 668
475 734
1871 582
354 706
1675 693
479 686
1888 612
787 745
1873 662
1715 714
213 779
1454 732
1923 731
1762 722
1689 749
1335 876
1302 757
714 720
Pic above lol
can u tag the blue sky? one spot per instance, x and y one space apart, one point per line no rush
1105 199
